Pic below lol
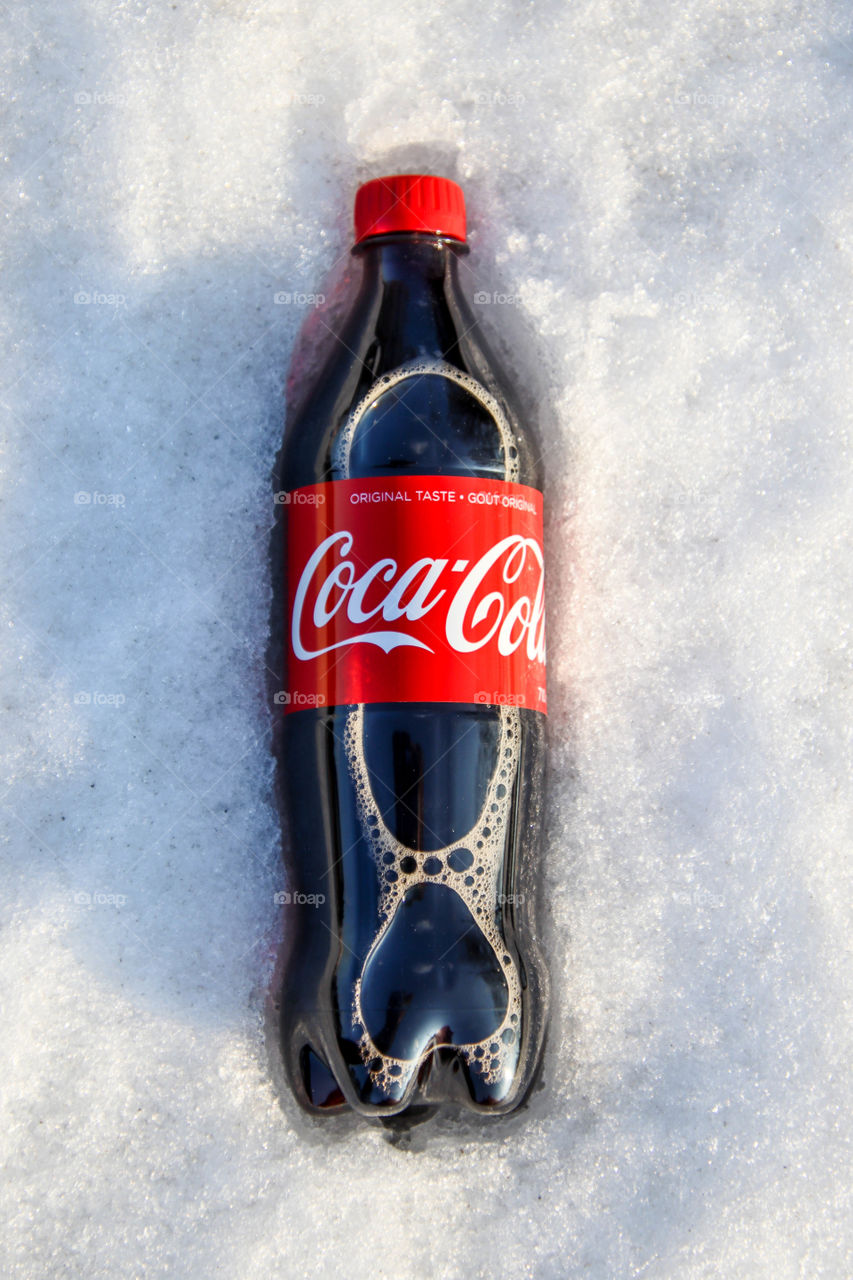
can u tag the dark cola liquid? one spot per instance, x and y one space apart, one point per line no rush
437 995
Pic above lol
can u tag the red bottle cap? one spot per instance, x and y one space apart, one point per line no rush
410 202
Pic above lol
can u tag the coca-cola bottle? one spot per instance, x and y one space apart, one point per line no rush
409 630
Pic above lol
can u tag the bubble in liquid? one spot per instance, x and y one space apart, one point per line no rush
460 859
432 866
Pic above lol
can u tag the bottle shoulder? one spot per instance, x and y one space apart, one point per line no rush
384 403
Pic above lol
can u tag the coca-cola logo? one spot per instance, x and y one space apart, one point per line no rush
497 599
416 589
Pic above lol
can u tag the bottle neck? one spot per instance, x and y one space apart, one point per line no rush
406 255
411 287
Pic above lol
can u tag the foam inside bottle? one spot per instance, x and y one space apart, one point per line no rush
399 867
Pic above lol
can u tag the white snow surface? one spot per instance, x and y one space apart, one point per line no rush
660 192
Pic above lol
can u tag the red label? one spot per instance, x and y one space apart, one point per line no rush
415 589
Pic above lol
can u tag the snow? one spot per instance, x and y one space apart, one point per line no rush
662 193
